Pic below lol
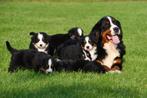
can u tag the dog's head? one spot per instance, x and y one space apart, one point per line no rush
48 67
88 43
75 33
108 23
40 40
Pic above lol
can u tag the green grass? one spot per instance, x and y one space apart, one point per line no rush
17 19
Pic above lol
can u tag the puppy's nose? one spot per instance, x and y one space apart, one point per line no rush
87 47
40 45
116 29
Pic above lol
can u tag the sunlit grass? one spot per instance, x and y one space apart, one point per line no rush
17 19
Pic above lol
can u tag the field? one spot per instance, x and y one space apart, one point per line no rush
17 19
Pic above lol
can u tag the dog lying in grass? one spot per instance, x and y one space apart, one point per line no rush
29 59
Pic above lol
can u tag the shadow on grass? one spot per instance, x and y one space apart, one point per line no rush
78 90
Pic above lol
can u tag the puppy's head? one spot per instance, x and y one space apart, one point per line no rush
75 33
88 43
40 40
48 68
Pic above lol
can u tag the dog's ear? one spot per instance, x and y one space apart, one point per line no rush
95 37
81 39
32 33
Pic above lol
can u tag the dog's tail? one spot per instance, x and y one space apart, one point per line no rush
12 50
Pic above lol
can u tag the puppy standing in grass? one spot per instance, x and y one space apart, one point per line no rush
29 59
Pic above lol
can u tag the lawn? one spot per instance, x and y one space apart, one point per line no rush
17 19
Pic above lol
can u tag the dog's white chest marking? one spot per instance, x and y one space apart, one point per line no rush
42 50
112 53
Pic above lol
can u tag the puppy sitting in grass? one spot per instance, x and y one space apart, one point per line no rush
29 59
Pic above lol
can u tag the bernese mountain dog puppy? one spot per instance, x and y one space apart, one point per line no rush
29 59
83 49
110 47
43 42
57 39
40 42
89 48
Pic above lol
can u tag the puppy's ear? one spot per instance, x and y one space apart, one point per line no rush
32 33
81 39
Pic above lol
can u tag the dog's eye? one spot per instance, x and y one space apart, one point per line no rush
92 44
89 41
107 22
114 21
36 40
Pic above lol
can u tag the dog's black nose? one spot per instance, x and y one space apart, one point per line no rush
116 29
87 47
40 45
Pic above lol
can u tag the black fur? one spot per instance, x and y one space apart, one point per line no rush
78 65
71 52
27 59
58 39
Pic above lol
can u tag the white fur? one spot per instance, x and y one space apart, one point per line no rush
41 50
79 31
50 65
87 44
112 53
112 26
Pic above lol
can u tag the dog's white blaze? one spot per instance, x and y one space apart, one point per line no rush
50 65
112 26
112 53
40 37
79 31
87 44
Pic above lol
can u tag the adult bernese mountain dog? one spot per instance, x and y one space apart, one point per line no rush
110 47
